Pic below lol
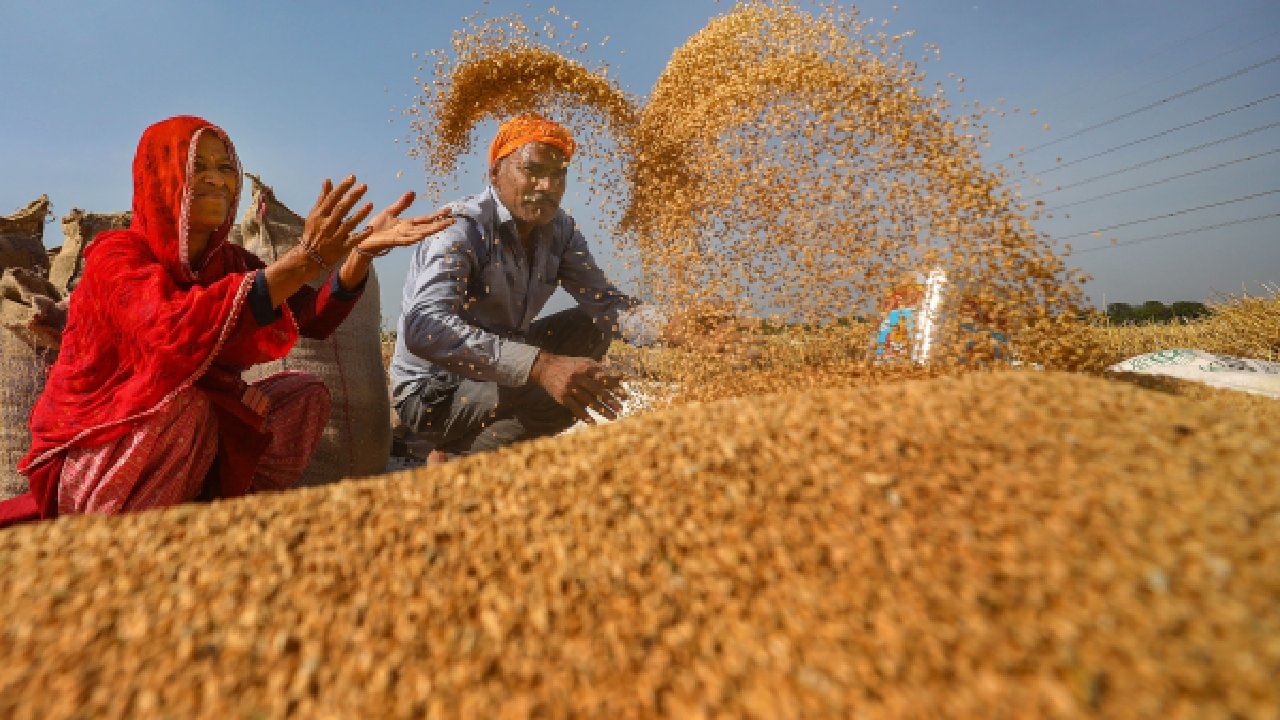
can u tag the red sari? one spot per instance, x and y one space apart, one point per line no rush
144 326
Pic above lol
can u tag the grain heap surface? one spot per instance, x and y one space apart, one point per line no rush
1003 545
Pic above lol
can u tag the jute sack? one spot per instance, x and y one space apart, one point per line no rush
357 439
22 364
30 308
22 374
79 228
22 237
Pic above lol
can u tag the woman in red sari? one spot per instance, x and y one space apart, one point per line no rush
145 406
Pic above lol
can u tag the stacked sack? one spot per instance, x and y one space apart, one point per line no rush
78 229
357 439
33 306
25 295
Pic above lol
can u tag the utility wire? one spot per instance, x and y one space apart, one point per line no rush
1162 133
1162 158
1151 54
1184 70
1149 106
1192 231
1172 214
1171 178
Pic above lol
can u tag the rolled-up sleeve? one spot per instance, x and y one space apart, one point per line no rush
434 328
623 315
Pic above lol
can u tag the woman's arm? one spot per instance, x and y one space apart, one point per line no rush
327 239
319 312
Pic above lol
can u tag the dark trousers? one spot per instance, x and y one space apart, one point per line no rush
476 416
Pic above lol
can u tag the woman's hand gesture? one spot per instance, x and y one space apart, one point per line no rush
388 230
326 233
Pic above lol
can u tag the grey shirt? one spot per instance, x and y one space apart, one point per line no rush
471 294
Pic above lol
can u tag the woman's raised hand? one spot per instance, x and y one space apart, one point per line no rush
328 236
388 230
326 233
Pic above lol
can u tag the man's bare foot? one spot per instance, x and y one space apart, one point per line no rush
437 457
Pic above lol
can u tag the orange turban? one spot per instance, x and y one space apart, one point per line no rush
518 131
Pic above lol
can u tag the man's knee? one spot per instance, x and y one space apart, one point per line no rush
444 415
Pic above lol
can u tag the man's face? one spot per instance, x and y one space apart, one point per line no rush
531 182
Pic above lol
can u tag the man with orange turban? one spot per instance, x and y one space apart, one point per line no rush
472 370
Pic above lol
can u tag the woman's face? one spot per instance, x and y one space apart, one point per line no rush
216 182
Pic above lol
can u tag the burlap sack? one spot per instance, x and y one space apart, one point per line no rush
21 237
79 228
22 364
22 374
31 308
357 439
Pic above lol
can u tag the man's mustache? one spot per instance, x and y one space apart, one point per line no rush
538 197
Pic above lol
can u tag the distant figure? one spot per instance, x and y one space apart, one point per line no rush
472 370
145 406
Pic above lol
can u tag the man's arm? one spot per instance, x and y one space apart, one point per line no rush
433 326
622 315
634 322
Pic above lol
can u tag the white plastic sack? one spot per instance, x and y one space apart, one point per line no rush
1260 377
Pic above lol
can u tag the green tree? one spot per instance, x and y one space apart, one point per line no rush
1121 313
1188 310
1154 311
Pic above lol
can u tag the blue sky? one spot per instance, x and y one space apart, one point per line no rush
311 90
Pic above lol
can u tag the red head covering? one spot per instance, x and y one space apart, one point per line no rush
525 129
142 324
162 191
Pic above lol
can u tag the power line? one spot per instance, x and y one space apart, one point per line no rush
1168 179
1192 231
1149 106
1162 158
1173 214
1184 70
1162 133
1155 53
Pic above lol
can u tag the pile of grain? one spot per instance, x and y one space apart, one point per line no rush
996 545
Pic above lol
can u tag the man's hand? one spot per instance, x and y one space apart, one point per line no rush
579 384
702 331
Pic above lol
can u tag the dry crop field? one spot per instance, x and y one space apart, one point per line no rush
1240 326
